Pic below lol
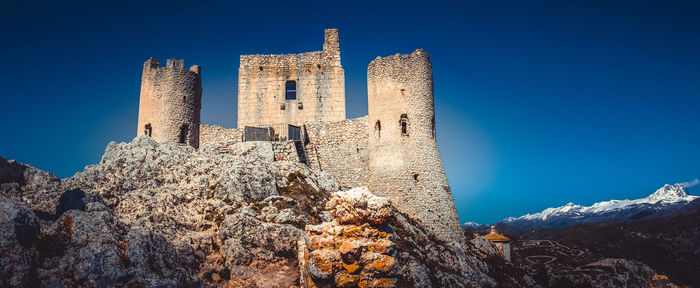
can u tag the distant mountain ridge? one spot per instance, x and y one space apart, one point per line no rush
668 200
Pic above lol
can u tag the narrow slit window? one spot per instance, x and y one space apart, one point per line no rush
147 130
183 134
290 89
378 128
404 124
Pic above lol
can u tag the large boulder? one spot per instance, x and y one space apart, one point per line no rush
19 228
31 187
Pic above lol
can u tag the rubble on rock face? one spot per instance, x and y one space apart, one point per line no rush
164 215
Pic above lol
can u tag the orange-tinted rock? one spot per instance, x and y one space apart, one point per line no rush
352 250
358 206
383 264
661 281
349 250
322 262
383 246
352 231
377 283
346 280
351 268
376 262
321 242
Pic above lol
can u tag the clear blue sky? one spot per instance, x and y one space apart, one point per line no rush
538 102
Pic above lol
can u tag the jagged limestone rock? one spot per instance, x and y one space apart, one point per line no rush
153 214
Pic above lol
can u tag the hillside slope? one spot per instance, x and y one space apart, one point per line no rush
668 245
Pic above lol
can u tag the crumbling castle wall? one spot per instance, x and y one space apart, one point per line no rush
286 151
215 134
318 78
170 102
404 162
339 148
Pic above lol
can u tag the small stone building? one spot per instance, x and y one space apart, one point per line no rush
501 241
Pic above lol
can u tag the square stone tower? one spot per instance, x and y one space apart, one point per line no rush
292 88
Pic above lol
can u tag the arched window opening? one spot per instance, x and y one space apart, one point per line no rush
290 90
183 134
184 99
147 130
378 128
433 125
404 124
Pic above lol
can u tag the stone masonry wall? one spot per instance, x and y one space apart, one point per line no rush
404 161
219 135
215 134
339 148
320 86
170 101
286 151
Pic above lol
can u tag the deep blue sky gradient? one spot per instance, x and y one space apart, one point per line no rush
538 102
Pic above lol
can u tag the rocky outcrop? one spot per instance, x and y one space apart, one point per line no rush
354 248
370 244
19 228
165 215
35 189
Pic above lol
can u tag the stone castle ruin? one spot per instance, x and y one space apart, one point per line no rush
297 101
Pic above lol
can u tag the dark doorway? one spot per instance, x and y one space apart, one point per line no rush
183 134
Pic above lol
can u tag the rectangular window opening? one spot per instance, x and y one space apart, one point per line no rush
290 90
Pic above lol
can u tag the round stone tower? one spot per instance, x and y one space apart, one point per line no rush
404 162
171 100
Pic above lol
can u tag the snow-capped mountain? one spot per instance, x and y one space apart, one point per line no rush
666 201
472 224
